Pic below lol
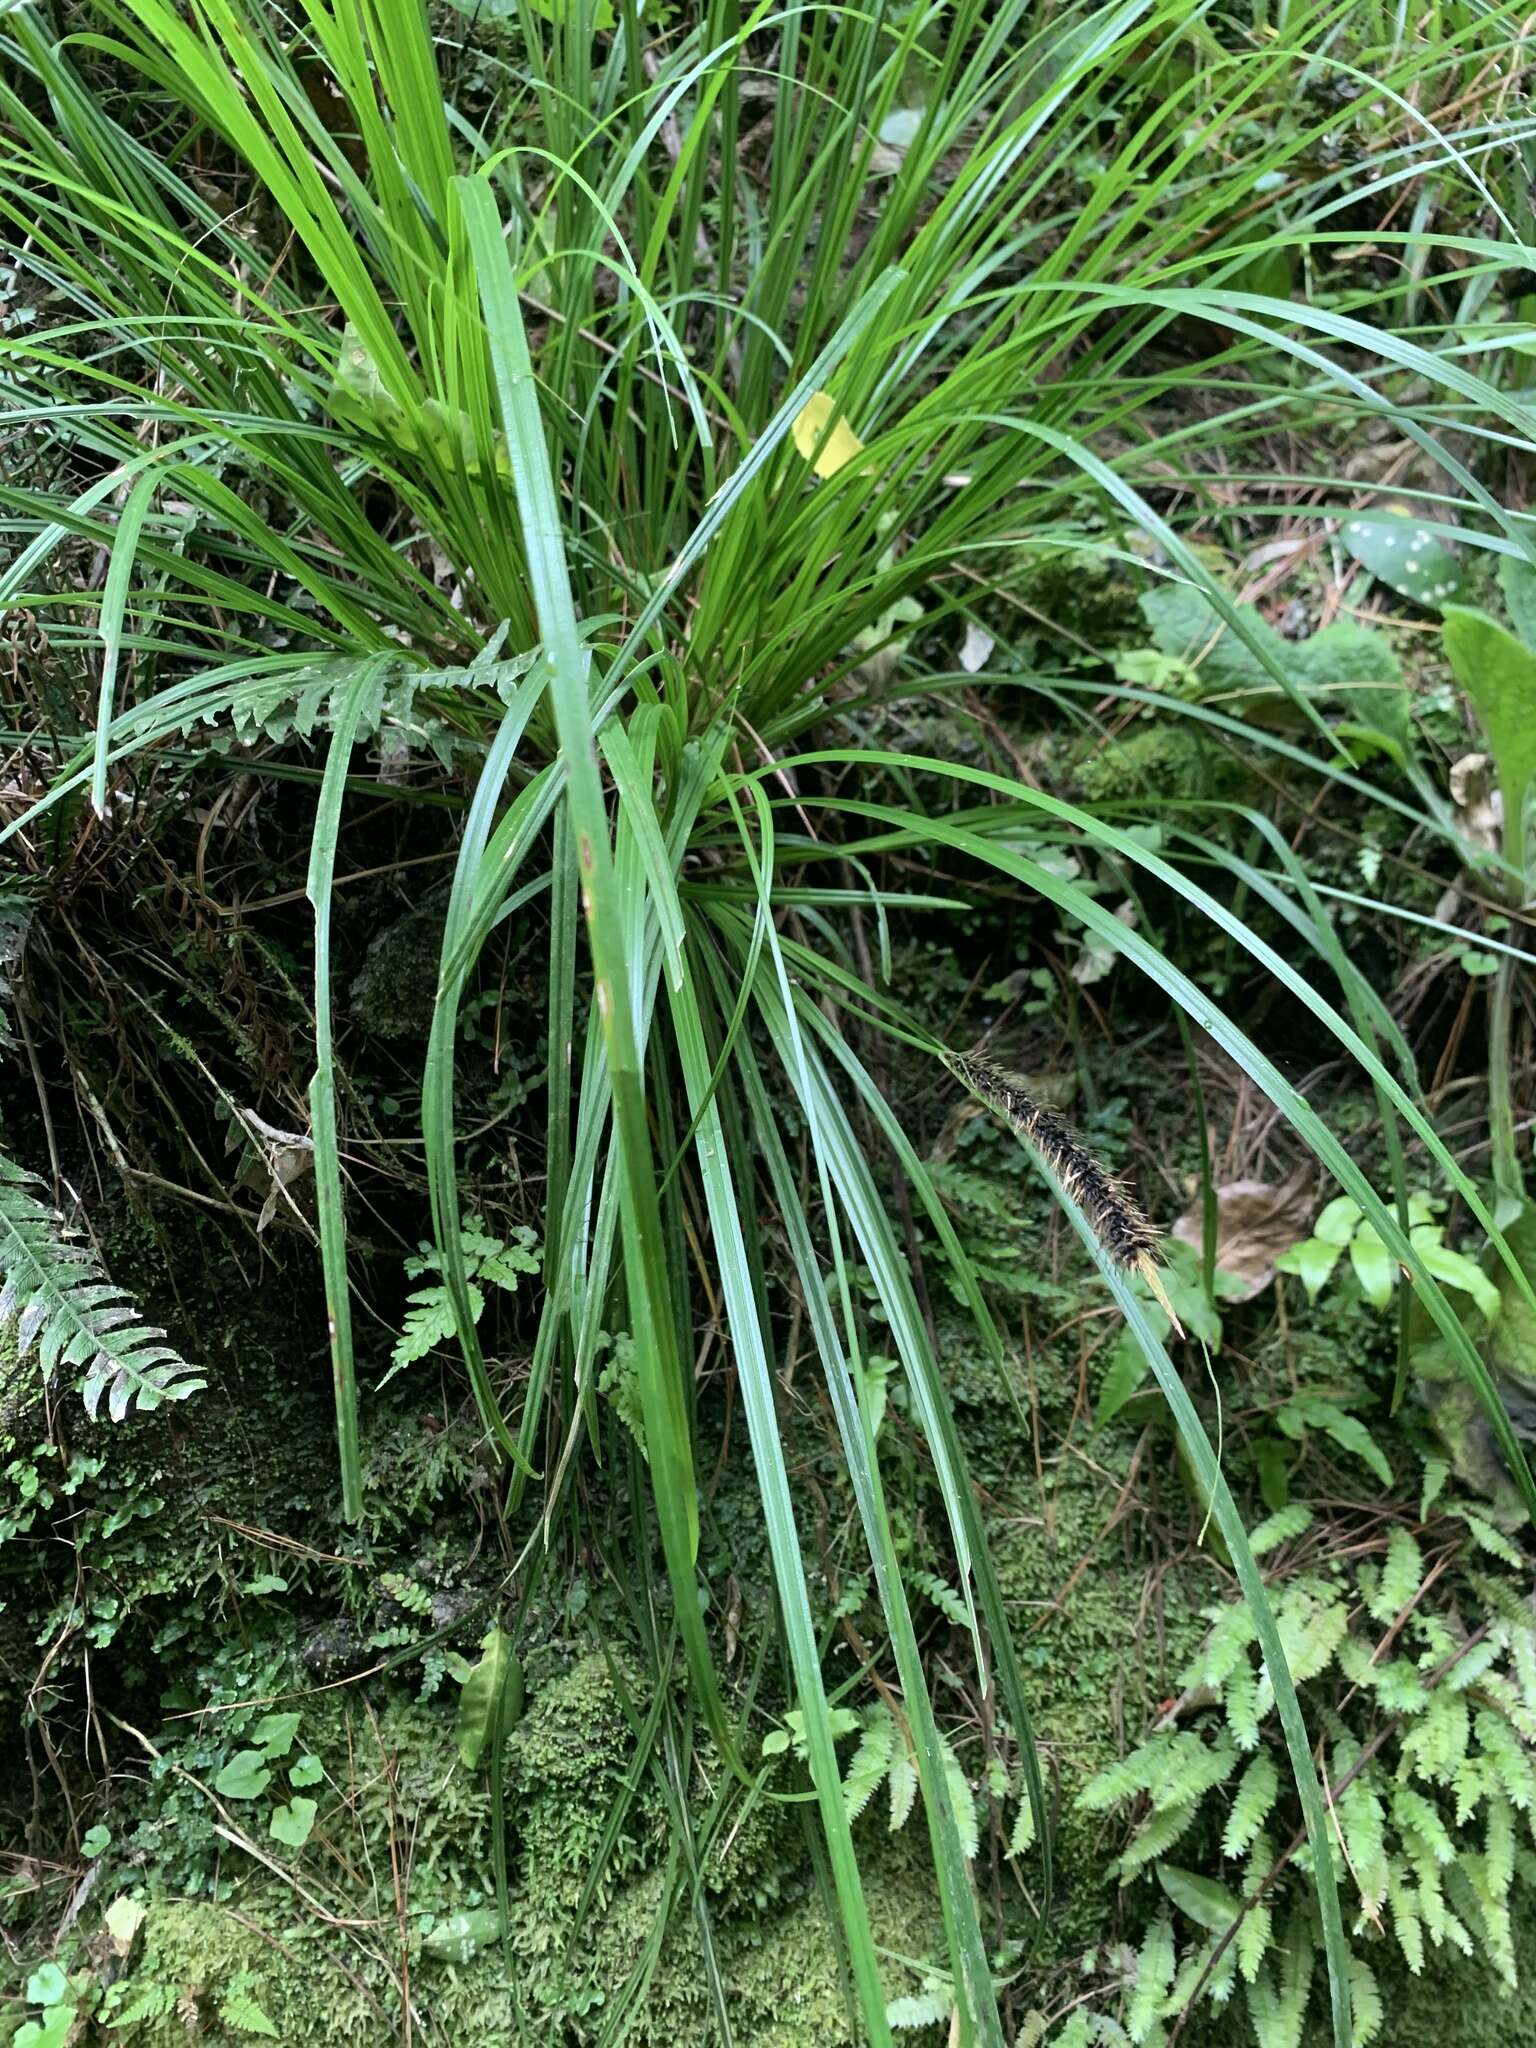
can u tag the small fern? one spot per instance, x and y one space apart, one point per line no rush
240 2010
1430 1798
429 1320
63 1306
884 1757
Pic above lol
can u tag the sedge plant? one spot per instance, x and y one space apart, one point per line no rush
614 432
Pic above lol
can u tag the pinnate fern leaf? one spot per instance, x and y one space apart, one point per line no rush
65 1309
962 1800
871 1761
1402 1574
1154 1975
1257 1791
1283 1526
903 1784
1364 2003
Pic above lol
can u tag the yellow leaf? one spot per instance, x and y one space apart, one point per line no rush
841 445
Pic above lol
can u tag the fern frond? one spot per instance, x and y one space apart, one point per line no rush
1507 1761
1418 1820
1437 1742
1282 1526
871 1761
1023 1835
1246 1703
1154 1975
1195 1769
1312 1621
1224 1651
66 1309
1159 1834
1257 1791
903 1783
963 1800
1364 2003
1277 2003
1362 1821
943 1596
1255 1931
1406 1924
1396 1683
1402 1574
1127 1775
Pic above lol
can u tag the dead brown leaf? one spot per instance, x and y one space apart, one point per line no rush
1256 1221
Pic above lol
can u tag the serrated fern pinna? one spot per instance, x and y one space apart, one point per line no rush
64 1307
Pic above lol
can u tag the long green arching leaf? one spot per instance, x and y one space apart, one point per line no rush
1229 727
513 838
755 1380
114 602
1240 311
1214 1486
865 1207
976 2002
658 1354
1213 1020
957 1898
329 1207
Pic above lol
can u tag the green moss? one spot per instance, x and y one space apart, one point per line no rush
1084 594
393 993
1167 761
193 1953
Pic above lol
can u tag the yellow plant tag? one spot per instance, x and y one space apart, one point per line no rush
841 446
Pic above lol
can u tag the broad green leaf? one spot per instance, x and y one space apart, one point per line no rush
94 1840
52 2031
245 1776
1374 1267
1455 1269
1499 675
492 1698
1313 1411
293 1823
124 1917
1336 1224
1209 1904
47 1985
307 1771
1312 1262
1402 553
1517 580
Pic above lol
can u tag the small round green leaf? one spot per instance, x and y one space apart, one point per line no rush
274 1733
294 1822
245 1776
47 1985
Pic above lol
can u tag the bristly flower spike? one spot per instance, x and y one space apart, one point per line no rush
1116 1221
